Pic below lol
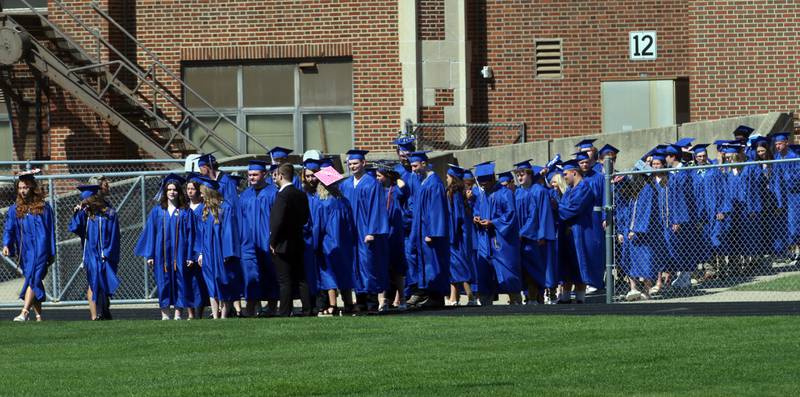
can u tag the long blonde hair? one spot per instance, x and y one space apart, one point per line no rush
213 201
560 182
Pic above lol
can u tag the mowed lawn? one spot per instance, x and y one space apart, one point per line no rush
406 355
785 283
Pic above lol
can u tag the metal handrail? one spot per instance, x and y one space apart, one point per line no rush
155 61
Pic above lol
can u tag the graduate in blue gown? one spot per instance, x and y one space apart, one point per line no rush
368 202
97 226
219 249
29 235
498 265
310 183
260 281
430 234
761 232
334 242
642 234
734 208
786 188
462 255
196 292
167 243
580 246
405 146
229 185
396 192
280 155
537 231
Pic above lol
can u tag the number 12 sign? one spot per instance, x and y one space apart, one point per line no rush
643 46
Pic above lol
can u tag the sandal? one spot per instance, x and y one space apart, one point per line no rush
23 316
329 312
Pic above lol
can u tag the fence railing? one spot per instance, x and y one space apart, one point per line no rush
444 136
712 233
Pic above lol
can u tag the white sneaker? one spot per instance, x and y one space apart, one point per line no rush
590 289
177 318
633 296
21 318
164 318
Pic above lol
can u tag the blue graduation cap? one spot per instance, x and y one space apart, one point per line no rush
273 167
371 171
684 142
759 141
208 182
405 143
279 152
236 179
206 159
257 165
505 177
672 150
416 157
585 144
580 156
484 171
554 162
699 148
171 178
326 162
456 171
743 130
648 154
468 175
570 165
88 191
780 136
732 148
523 165
607 149
537 171
193 177
312 164
356 154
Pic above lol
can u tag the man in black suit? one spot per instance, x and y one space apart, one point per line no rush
288 215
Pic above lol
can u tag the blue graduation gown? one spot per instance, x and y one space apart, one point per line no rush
219 244
432 265
334 243
33 238
785 183
309 257
673 210
648 247
196 289
260 280
734 206
100 237
461 252
536 223
760 202
367 201
407 204
169 241
498 246
580 245
395 197
229 187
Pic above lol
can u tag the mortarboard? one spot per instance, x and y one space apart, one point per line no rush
206 159
328 176
28 175
456 171
659 155
699 148
570 165
607 149
257 165
505 177
279 152
372 171
523 165
416 157
356 154
684 142
208 182
468 174
743 130
580 156
585 144
312 164
484 171
405 143
731 148
326 162
88 191
780 136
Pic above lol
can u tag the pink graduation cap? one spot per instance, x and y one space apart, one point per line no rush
328 176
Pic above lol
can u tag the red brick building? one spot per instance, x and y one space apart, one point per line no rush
335 74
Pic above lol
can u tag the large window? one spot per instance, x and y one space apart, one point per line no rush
6 133
301 106
18 7
636 105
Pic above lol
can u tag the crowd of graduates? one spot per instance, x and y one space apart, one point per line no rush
394 235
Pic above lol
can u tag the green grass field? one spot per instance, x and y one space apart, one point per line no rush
405 355
786 283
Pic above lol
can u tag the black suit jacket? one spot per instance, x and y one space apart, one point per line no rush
286 220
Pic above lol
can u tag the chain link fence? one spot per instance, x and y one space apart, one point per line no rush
133 186
442 136
727 232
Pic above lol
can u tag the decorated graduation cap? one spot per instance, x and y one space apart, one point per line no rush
208 182
257 165
570 165
780 136
328 176
523 165
684 143
279 152
484 171
554 162
206 159
417 157
743 131
585 144
405 143
607 149
356 154
312 164
28 175
699 148
456 171
88 191
504 177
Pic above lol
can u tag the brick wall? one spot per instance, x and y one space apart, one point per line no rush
430 20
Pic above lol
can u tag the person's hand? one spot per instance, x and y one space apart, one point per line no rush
189 263
272 249
605 224
468 193
6 251
428 240
617 178
486 223
369 238
401 183
476 220
620 238
720 217
631 235
150 262
77 208
200 260
676 228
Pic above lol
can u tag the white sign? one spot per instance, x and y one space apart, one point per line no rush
643 46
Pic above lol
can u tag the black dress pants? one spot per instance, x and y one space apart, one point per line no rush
291 277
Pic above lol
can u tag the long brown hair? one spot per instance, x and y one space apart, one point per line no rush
180 201
456 185
34 203
212 200
95 205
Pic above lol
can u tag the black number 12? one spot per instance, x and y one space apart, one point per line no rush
646 51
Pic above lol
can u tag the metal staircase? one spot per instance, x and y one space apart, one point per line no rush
134 100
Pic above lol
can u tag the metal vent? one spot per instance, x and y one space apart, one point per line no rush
548 58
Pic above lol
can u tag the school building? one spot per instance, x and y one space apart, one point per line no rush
156 78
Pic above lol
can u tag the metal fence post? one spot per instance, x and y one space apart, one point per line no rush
608 208
523 133
408 126
54 205
144 220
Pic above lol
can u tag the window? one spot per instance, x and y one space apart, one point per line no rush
18 7
548 58
635 105
296 105
6 133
